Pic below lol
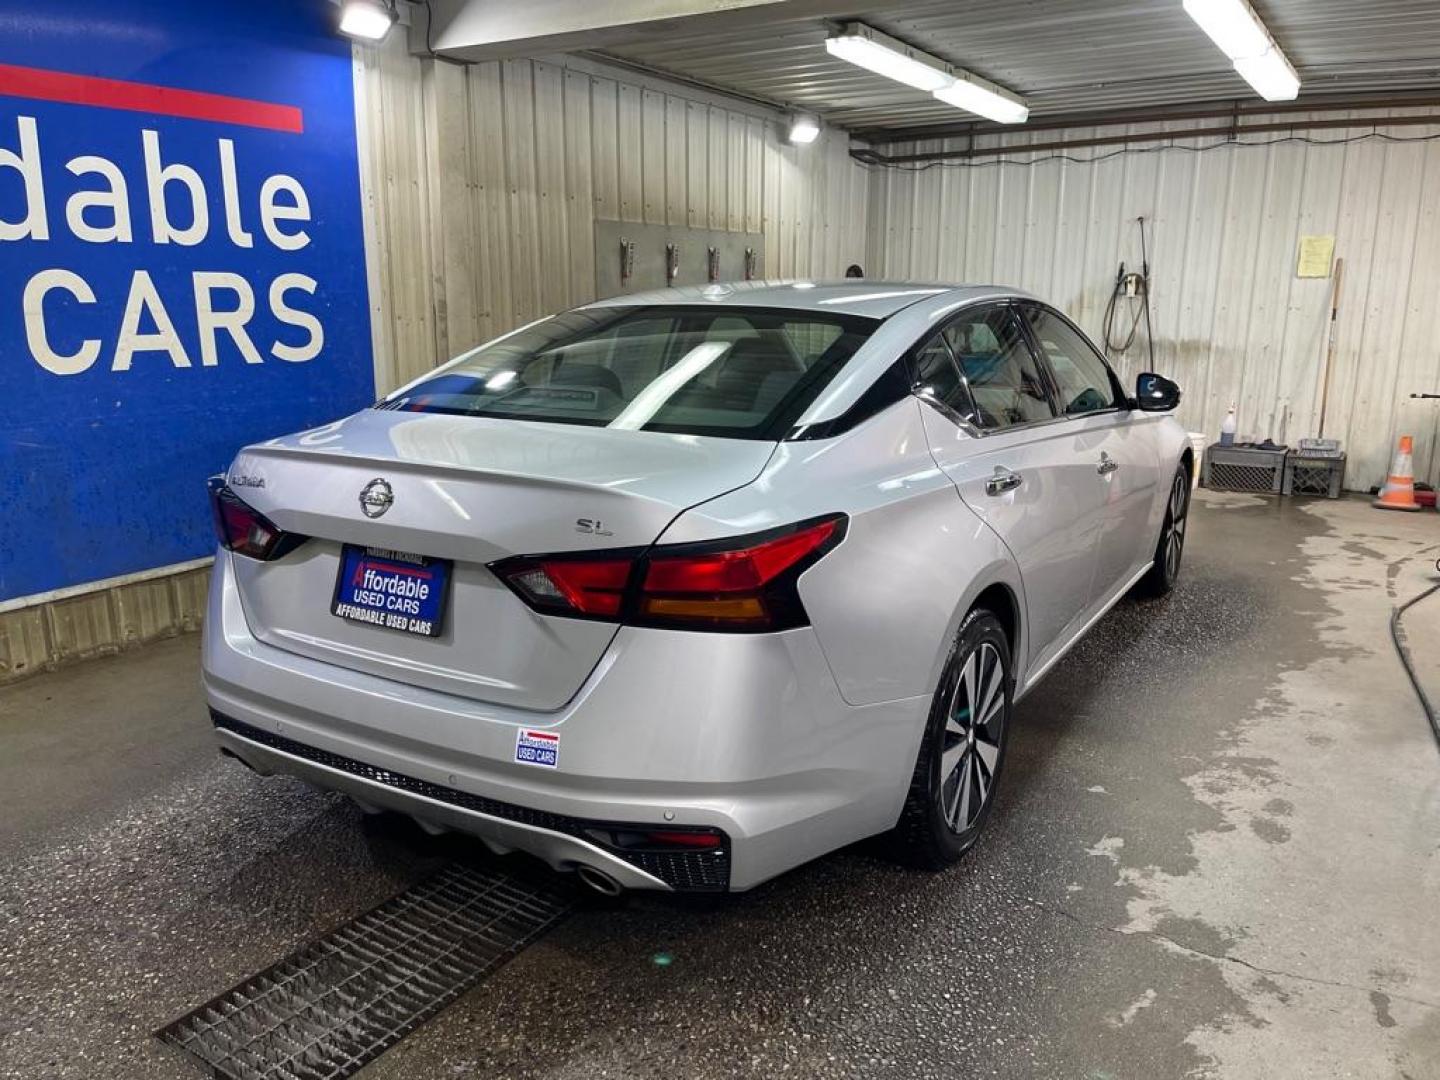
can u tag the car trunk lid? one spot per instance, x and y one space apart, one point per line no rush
471 491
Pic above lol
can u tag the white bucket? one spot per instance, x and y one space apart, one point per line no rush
1198 440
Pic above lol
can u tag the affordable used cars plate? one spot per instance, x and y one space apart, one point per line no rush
393 589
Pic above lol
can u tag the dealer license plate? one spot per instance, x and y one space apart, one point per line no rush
392 589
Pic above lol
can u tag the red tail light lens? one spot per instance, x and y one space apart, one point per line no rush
566 586
244 530
743 584
748 583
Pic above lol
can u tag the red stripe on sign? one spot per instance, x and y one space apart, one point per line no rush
413 571
42 85
542 735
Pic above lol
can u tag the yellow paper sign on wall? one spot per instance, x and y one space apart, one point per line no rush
1315 255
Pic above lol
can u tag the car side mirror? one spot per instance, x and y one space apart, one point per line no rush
1155 393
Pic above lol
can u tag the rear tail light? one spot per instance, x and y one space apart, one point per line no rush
743 584
566 586
243 529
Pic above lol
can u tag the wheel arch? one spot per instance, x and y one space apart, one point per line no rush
999 588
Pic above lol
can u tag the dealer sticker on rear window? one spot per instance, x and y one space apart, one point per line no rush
537 748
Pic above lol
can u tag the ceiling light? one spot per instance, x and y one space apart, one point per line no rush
878 52
976 95
804 129
883 55
368 20
1271 75
1232 25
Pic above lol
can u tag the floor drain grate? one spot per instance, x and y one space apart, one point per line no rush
324 1012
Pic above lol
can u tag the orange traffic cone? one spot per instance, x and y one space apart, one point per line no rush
1399 490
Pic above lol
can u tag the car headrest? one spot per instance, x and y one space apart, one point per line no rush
587 375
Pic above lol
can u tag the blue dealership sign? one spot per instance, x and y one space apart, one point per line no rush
182 266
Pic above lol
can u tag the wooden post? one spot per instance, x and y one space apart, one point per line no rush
1330 344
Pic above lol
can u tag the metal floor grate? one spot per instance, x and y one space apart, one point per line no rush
335 1005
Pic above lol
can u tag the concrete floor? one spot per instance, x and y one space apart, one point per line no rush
1216 853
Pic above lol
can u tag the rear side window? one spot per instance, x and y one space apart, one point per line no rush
733 372
938 376
1081 375
996 361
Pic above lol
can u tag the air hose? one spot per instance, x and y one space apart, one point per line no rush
1137 288
1405 659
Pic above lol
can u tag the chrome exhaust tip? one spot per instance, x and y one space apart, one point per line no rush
598 880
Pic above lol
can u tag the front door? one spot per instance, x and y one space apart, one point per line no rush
1107 436
997 436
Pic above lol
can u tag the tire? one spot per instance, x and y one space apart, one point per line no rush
1165 568
960 761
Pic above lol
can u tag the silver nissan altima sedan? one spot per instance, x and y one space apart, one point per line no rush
682 590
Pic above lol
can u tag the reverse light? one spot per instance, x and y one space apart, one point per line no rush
572 586
745 584
244 530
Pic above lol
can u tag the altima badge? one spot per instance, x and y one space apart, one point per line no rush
376 497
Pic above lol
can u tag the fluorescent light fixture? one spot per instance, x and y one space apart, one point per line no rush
1232 25
804 129
984 98
368 20
883 55
1271 75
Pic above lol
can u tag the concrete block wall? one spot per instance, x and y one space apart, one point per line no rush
44 636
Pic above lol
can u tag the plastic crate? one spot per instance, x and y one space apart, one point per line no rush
1237 468
1309 473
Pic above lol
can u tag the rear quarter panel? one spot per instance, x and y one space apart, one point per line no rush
886 603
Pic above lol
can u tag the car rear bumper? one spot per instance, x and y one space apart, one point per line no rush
743 734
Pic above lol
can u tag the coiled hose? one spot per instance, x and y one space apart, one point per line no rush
1405 659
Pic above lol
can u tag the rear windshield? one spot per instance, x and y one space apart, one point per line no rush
733 372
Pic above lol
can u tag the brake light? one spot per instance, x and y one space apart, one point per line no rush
569 586
243 529
753 585
742 584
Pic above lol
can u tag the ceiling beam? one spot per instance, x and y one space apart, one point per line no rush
499 29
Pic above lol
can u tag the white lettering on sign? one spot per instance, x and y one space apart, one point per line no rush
114 199
33 226
52 361
97 210
145 300
232 321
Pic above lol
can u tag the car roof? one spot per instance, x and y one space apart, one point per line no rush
852 296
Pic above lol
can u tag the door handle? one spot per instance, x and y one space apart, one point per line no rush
1004 480
1107 464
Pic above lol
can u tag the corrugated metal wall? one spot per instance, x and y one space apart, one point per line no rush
1232 321
484 183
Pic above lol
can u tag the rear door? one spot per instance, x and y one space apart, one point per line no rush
995 433
1122 453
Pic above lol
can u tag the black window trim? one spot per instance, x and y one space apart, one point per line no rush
1027 337
1120 401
